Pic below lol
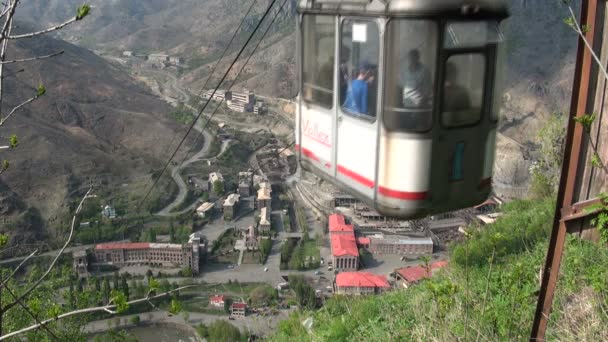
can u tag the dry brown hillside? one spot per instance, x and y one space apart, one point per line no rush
94 124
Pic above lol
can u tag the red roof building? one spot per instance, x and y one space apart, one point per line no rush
363 242
335 220
358 283
342 245
217 301
411 275
345 253
337 225
120 245
344 250
238 309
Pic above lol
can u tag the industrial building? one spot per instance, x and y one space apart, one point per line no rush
157 254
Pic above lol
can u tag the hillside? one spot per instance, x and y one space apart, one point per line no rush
95 125
487 293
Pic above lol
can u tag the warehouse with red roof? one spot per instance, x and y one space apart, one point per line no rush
360 283
414 274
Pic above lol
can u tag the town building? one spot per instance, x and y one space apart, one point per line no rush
217 301
344 251
239 106
199 183
264 198
245 183
408 276
260 108
360 283
219 95
205 210
108 212
363 242
80 261
158 58
252 242
400 245
238 309
215 177
246 97
231 206
259 179
265 220
337 225
176 61
127 53
156 254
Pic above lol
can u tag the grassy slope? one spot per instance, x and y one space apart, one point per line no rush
441 308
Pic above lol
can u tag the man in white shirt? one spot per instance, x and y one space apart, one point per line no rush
416 81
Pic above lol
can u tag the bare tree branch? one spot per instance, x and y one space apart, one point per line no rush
6 30
33 58
30 100
47 30
52 265
578 29
5 11
106 308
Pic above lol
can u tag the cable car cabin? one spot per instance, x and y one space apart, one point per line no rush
398 101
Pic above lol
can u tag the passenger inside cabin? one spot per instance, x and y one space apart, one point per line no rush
372 90
344 73
416 81
358 91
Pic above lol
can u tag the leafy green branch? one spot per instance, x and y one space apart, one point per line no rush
118 304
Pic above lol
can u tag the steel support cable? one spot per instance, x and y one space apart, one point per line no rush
232 84
241 70
206 103
215 67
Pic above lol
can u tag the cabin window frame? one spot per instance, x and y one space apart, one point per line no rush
435 66
305 62
341 109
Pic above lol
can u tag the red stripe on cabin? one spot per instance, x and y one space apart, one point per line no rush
308 153
356 177
404 195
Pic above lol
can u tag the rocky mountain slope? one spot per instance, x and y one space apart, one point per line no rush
94 125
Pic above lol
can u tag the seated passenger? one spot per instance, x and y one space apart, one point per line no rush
357 93
416 80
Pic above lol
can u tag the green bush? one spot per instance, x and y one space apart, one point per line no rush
523 224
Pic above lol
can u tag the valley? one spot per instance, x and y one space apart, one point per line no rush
252 241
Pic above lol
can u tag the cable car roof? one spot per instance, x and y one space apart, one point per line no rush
474 8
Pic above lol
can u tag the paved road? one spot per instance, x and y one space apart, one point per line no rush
257 325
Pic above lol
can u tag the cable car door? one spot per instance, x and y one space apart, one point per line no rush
463 139
357 125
